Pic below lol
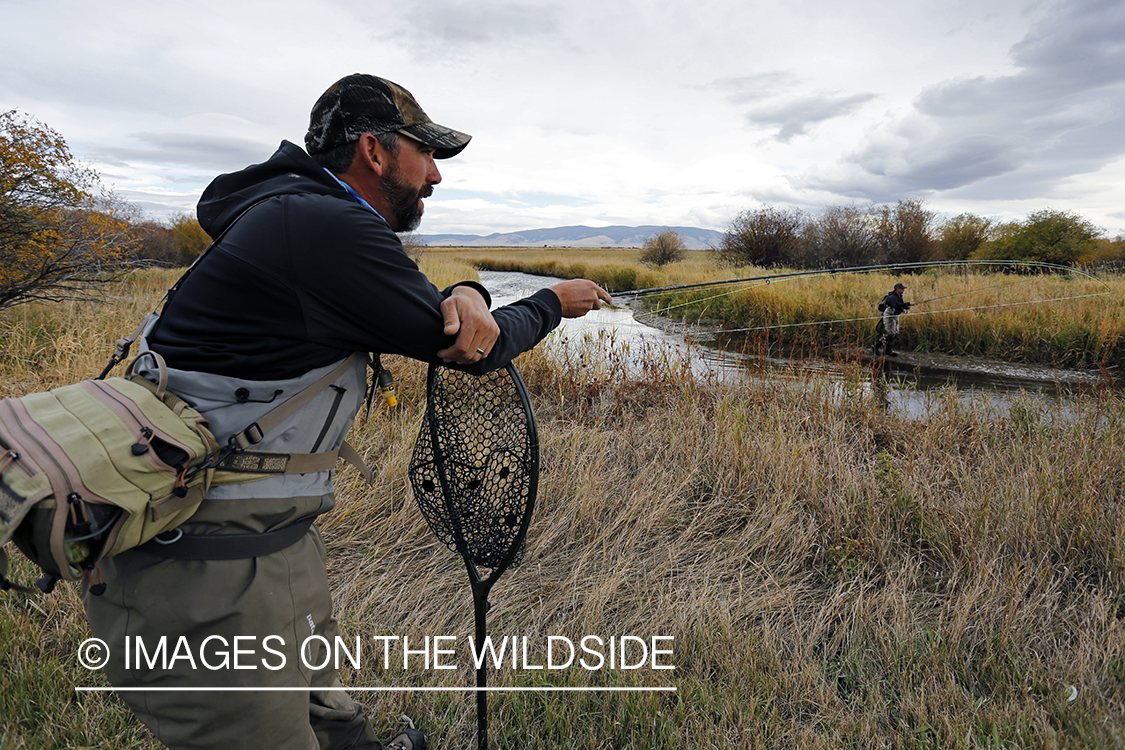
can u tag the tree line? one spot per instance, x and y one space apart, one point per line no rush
908 231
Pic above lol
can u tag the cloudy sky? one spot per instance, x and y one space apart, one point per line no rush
604 112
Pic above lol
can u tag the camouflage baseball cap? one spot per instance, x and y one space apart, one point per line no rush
361 103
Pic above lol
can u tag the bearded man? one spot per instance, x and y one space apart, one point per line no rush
307 272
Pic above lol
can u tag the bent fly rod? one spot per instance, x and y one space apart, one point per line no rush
475 476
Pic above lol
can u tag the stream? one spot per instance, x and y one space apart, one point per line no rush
908 385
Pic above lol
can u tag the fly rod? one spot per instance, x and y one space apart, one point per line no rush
851 269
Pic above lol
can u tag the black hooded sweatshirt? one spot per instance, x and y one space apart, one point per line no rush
306 276
894 302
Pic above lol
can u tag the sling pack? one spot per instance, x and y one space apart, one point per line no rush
92 469
95 468
98 467
883 304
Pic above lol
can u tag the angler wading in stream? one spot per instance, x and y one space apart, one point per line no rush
892 306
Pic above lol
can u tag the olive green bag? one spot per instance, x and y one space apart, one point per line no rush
102 466
96 468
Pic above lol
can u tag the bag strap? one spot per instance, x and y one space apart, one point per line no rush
123 344
161 368
253 434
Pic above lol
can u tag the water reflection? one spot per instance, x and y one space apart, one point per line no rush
906 386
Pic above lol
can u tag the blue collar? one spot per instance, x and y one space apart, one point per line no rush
358 198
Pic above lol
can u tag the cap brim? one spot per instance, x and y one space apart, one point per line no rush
446 142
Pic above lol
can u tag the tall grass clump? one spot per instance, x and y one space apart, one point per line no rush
832 576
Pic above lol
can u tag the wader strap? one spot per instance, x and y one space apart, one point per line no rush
180 546
267 462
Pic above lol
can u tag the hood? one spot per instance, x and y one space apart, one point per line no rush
289 171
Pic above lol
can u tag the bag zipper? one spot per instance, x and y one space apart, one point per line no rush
44 452
331 415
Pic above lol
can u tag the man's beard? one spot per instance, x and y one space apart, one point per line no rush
404 200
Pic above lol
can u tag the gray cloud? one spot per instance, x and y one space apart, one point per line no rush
1059 115
753 88
160 207
793 116
1079 43
455 22
769 102
210 153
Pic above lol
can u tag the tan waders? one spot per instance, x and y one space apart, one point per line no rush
890 333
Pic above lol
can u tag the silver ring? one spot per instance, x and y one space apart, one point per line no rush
480 352
177 535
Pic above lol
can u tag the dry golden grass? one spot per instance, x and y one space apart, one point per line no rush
832 577
1050 319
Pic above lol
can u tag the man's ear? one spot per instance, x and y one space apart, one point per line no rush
371 154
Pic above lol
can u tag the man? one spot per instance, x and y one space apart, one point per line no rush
892 306
307 270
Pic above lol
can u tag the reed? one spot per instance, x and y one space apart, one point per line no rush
832 577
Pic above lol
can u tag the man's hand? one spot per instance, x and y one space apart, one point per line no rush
579 297
467 316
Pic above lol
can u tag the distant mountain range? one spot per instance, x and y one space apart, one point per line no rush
694 238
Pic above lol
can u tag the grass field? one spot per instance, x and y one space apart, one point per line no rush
832 577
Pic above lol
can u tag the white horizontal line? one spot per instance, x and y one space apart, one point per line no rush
379 689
